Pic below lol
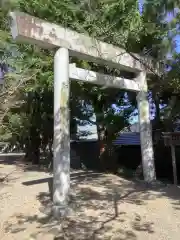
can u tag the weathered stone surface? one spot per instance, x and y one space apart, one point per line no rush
101 79
26 28
61 144
147 151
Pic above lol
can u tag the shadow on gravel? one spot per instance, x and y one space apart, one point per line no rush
95 209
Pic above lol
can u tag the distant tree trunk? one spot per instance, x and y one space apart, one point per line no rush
35 144
33 147
102 143
139 172
108 160
157 104
34 140
107 155
73 128
157 126
169 115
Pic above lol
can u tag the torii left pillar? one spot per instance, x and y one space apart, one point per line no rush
61 161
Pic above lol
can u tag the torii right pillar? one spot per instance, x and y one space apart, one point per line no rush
145 129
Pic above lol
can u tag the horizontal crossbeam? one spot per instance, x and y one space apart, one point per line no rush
80 74
29 29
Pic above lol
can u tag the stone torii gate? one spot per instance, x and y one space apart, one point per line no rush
32 30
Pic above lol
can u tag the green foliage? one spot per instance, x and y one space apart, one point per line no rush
27 110
111 21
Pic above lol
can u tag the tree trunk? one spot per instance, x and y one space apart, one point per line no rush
108 161
168 121
101 143
34 141
139 172
107 155
157 103
33 147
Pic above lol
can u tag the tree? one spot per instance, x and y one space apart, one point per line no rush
116 22
69 14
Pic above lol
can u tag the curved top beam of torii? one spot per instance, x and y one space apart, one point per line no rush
26 28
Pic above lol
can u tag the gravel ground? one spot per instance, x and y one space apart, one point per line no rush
103 206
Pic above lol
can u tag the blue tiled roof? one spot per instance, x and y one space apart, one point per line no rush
129 138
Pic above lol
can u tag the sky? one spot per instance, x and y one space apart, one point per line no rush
177 39
170 16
